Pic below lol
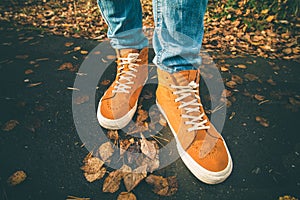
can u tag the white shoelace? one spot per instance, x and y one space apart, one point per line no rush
131 60
191 106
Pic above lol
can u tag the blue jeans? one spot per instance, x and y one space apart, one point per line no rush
177 35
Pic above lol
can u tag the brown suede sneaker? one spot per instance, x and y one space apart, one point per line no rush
200 146
118 104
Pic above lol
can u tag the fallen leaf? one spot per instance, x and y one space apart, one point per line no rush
77 48
270 18
112 182
92 164
65 66
68 44
84 52
111 57
147 147
162 121
271 81
34 84
17 178
95 176
10 125
226 93
124 145
142 115
126 196
152 164
265 11
287 50
105 82
113 134
163 186
230 84
131 180
264 122
28 71
106 151
81 99
76 198
224 69
251 77
237 79
259 97
241 66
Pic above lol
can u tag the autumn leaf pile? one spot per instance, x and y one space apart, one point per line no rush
238 27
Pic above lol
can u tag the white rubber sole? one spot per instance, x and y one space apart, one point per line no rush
116 123
199 172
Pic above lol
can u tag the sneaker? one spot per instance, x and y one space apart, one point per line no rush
201 148
118 104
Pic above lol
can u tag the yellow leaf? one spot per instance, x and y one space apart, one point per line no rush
270 18
265 11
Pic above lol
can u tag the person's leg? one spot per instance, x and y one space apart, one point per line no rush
178 33
177 42
124 19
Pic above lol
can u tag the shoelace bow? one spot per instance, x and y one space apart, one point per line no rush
191 106
125 76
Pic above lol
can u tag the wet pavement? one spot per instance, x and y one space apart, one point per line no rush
45 143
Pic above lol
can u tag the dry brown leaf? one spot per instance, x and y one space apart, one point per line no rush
34 84
95 176
65 66
271 81
111 57
124 145
237 79
241 66
231 84
126 196
83 52
251 77
147 147
163 186
142 115
112 182
113 134
105 82
162 121
92 164
69 197
17 178
68 44
81 99
224 69
264 122
28 71
152 164
287 50
106 151
131 180
10 125
259 97
77 48
226 93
